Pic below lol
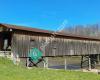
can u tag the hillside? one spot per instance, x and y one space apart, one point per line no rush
8 71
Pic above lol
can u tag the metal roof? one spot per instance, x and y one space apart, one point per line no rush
17 27
24 28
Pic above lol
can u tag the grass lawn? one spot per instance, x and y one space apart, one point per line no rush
8 71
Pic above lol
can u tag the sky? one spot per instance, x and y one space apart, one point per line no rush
49 14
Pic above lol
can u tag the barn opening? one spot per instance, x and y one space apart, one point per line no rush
5 41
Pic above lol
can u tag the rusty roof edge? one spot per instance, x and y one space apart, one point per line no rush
78 36
25 28
48 32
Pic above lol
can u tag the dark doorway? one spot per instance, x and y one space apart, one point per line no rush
5 41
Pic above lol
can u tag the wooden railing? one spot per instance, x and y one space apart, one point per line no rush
5 54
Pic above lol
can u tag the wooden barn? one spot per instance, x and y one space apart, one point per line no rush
19 40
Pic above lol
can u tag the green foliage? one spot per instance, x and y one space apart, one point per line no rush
8 71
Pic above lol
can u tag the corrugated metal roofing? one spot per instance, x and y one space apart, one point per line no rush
24 28
49 32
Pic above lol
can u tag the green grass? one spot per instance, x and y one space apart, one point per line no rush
8 71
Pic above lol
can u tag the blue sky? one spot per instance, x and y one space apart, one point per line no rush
49 14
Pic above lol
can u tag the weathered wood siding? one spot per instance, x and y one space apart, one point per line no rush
22 42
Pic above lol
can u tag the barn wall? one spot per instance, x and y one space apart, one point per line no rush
22 42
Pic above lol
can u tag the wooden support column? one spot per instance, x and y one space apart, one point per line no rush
46 62
65 62
27 62
89 63
82 62
98 58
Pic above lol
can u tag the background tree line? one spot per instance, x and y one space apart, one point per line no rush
83 30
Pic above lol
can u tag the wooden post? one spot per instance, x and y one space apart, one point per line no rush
46 63
65 62
82 62
98 58
43 64
89 63
27 62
